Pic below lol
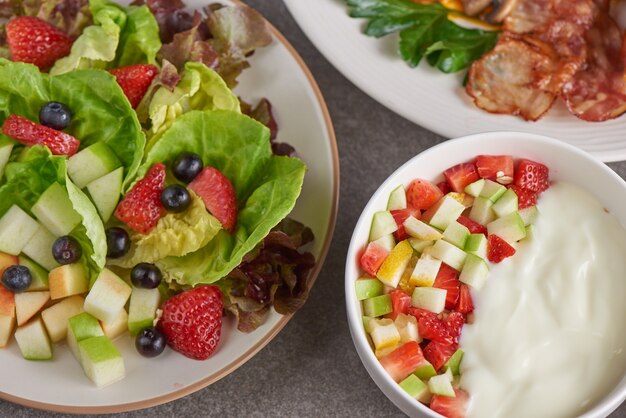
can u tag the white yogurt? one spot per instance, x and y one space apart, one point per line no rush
549 336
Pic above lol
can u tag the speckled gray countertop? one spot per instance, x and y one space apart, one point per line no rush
311 368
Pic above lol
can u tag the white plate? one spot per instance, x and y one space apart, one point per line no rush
278 73
425 96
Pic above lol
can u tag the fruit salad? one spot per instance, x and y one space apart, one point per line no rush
138 193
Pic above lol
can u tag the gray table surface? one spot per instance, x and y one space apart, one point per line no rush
311 368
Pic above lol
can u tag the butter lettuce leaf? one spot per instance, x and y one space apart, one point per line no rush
266 186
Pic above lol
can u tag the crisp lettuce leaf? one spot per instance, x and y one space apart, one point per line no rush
266 186
100 111
28 178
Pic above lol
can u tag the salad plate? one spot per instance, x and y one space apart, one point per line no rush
427 97
277 73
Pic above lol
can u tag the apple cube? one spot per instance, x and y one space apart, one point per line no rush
432 299
453 365
529 215
79 328
39 248
91 163
7 302
383 224
425 371
105 192
441 385
509 227
477 245
390 272
506 204
366 288
420 246
425 271
6 261
117 327
384 333
55 317
67 280
33 341
482 211
444 212
397 199
39 275
55 211
492 190
474 189
456 234
16 229
407 327
413 386
142 309
27 304
449 254
420 230
386 241
7 323
101 361
107 296
377 306
475 271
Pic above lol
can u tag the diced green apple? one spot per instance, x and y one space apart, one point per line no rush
101 361
475 188
425 371
529 215
107 296
420 230
420 245
117 327
142 309
413 386
386 241
6 147
397 199
27 304
105 192
383 224
79 328
506 204
7 323
432 299
449 254
456 234
407 327
16 229
55 211
38 274
475 271
444 212
377 306
91 163
67 280
39 248
425 271
530 232
492 190
477 245
509 227
55 317
390 272
368 288
441 385
33 341
453 365
384 333
482 211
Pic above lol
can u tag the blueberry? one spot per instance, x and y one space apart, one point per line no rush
146 276
17 278
150 342
175 198
55 115
118 242
66 250
187 166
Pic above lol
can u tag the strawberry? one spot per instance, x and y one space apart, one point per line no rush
455 322
401 215
532 176
451 407
400 303
218 195
422 194
135 80
444 187
498 249
37 42
438 354
465 305
433 328
403 361
420 313
525 198
474 227
192 321
141 207
494 167
373 258
31 133
448 279
460 176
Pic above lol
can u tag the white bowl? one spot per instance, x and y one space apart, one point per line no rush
565 162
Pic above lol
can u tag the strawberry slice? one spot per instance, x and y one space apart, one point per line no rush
455 322
141 207
403 361
451 407
459 176
218 195
465 305
420 313
444 187
433 328
532 176
401 215
448 279
373 258
400 303
35 41
31 133
135 80
438 353
494 167
422 194
474 227
498 249
525 198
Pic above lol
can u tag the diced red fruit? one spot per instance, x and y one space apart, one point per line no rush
474 227
419 313
218 195
401 215
403 361
31 133
35 41
372 258
451 407
438 353
7 301
448 279
400 303
525 198
141 207
465 305
135 80
498 249
493 166
422 194
444 187
434 329
461 175
455 322
192 321
532 176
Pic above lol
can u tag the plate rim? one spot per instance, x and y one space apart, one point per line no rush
241 360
